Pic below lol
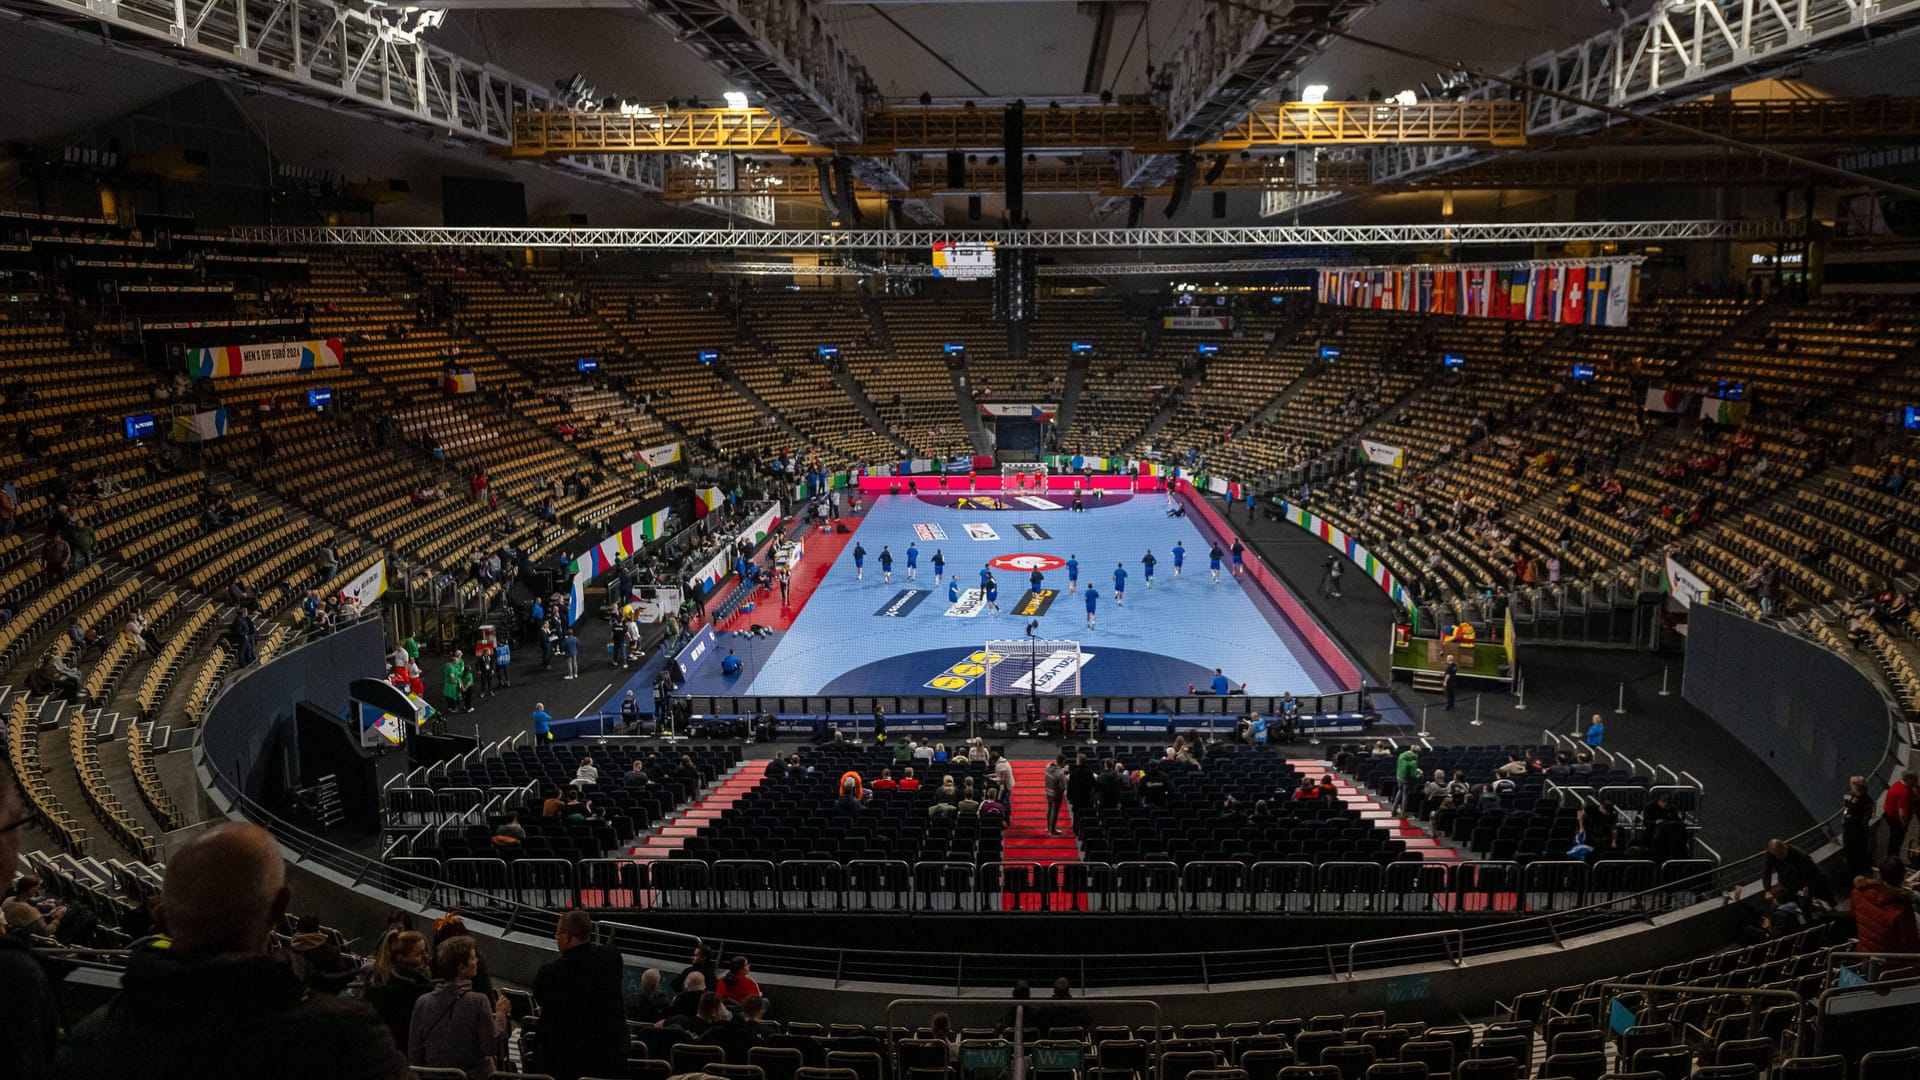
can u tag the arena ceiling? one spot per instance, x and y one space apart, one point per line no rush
62 82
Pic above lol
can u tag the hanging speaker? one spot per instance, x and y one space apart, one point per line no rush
956 170
1136 209
1182 184
1219 204
825 172
1214 170
1013 143
843 188
973 208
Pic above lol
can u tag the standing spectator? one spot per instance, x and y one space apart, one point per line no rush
542 723
57 556
240 632
570 645
400 977
502 653
1794 871
1449 676
1406 775
1056 783
454 1027
583 1023
1897 808
211 1002
1080 786
9 509
1596 731
1856 810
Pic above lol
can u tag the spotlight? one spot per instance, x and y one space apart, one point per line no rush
1314 94
993 159
1033 159
1053 104
694 103
968 105
735 99
673 103
1106 97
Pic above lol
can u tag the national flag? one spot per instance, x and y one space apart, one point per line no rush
706 501
1671 401
1517 295
1502 294
1573 303
1618 295
1597 285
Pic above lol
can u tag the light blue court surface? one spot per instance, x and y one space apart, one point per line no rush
845 640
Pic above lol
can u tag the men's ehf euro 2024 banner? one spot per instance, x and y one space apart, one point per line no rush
1588 292
227 360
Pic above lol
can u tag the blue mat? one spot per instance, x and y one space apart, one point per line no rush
869 637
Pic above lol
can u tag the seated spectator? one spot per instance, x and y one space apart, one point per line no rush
908 782
206 1000
886 782
25 914
991 806
649 1005
737 984
686 1003
587 775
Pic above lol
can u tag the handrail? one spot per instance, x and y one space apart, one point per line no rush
1794 997
1457 958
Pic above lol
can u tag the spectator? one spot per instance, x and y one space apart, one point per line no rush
313 953
455 1027
1794 871
686 1003
1856 810
207 1000
1897 809
1883 911
1596 731
457 686
542 723
583 1024
1406 774
587 775
57 556
29 1025
401 975
649 1006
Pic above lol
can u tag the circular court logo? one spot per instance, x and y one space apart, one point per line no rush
1027 562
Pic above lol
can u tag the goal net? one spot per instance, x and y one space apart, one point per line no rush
1023 476
1024 666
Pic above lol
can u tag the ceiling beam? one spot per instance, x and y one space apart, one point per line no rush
683 239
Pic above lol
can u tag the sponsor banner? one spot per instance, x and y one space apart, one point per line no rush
1035 502
1196 322
368 585
1381 454
227 360
1035 602
1339 541
1030 531
654 457
1019 412
903 603
1027 562
721 564
979 531
971 603
200 427
1054 671
698 649
1684 585
963 673
979 502
929 532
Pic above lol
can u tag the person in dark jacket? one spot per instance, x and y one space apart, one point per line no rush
400 977
701 962
30 1023
1080 786
583 1024
207 1000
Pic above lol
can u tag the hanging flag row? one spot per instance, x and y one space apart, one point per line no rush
1593 293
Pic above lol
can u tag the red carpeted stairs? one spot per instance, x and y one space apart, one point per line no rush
674 831
1026 839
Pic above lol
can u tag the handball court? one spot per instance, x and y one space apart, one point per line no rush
848 634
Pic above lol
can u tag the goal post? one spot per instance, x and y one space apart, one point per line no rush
1023 476
1034 665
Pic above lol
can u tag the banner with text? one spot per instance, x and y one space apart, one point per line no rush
226 360
655 457
368 585
1593 293
1684 585
1381 454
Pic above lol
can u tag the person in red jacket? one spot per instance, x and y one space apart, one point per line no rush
1897 808
1883 912
737 984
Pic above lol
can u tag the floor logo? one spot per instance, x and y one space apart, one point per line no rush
971 603
1055 671
963 674
981 532
1030 531
1035 603
1038 503
979 502
929 532
1027 562
903 602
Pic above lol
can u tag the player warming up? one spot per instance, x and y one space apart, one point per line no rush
939 565
1213 562
1119 584
1038 579
993 596
913 561
886 565
1146 567
1179 557
1073 573
1093 601
859 561
953 590
1239 553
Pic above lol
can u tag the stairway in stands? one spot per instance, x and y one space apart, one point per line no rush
679 826
1375 812
1026 839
